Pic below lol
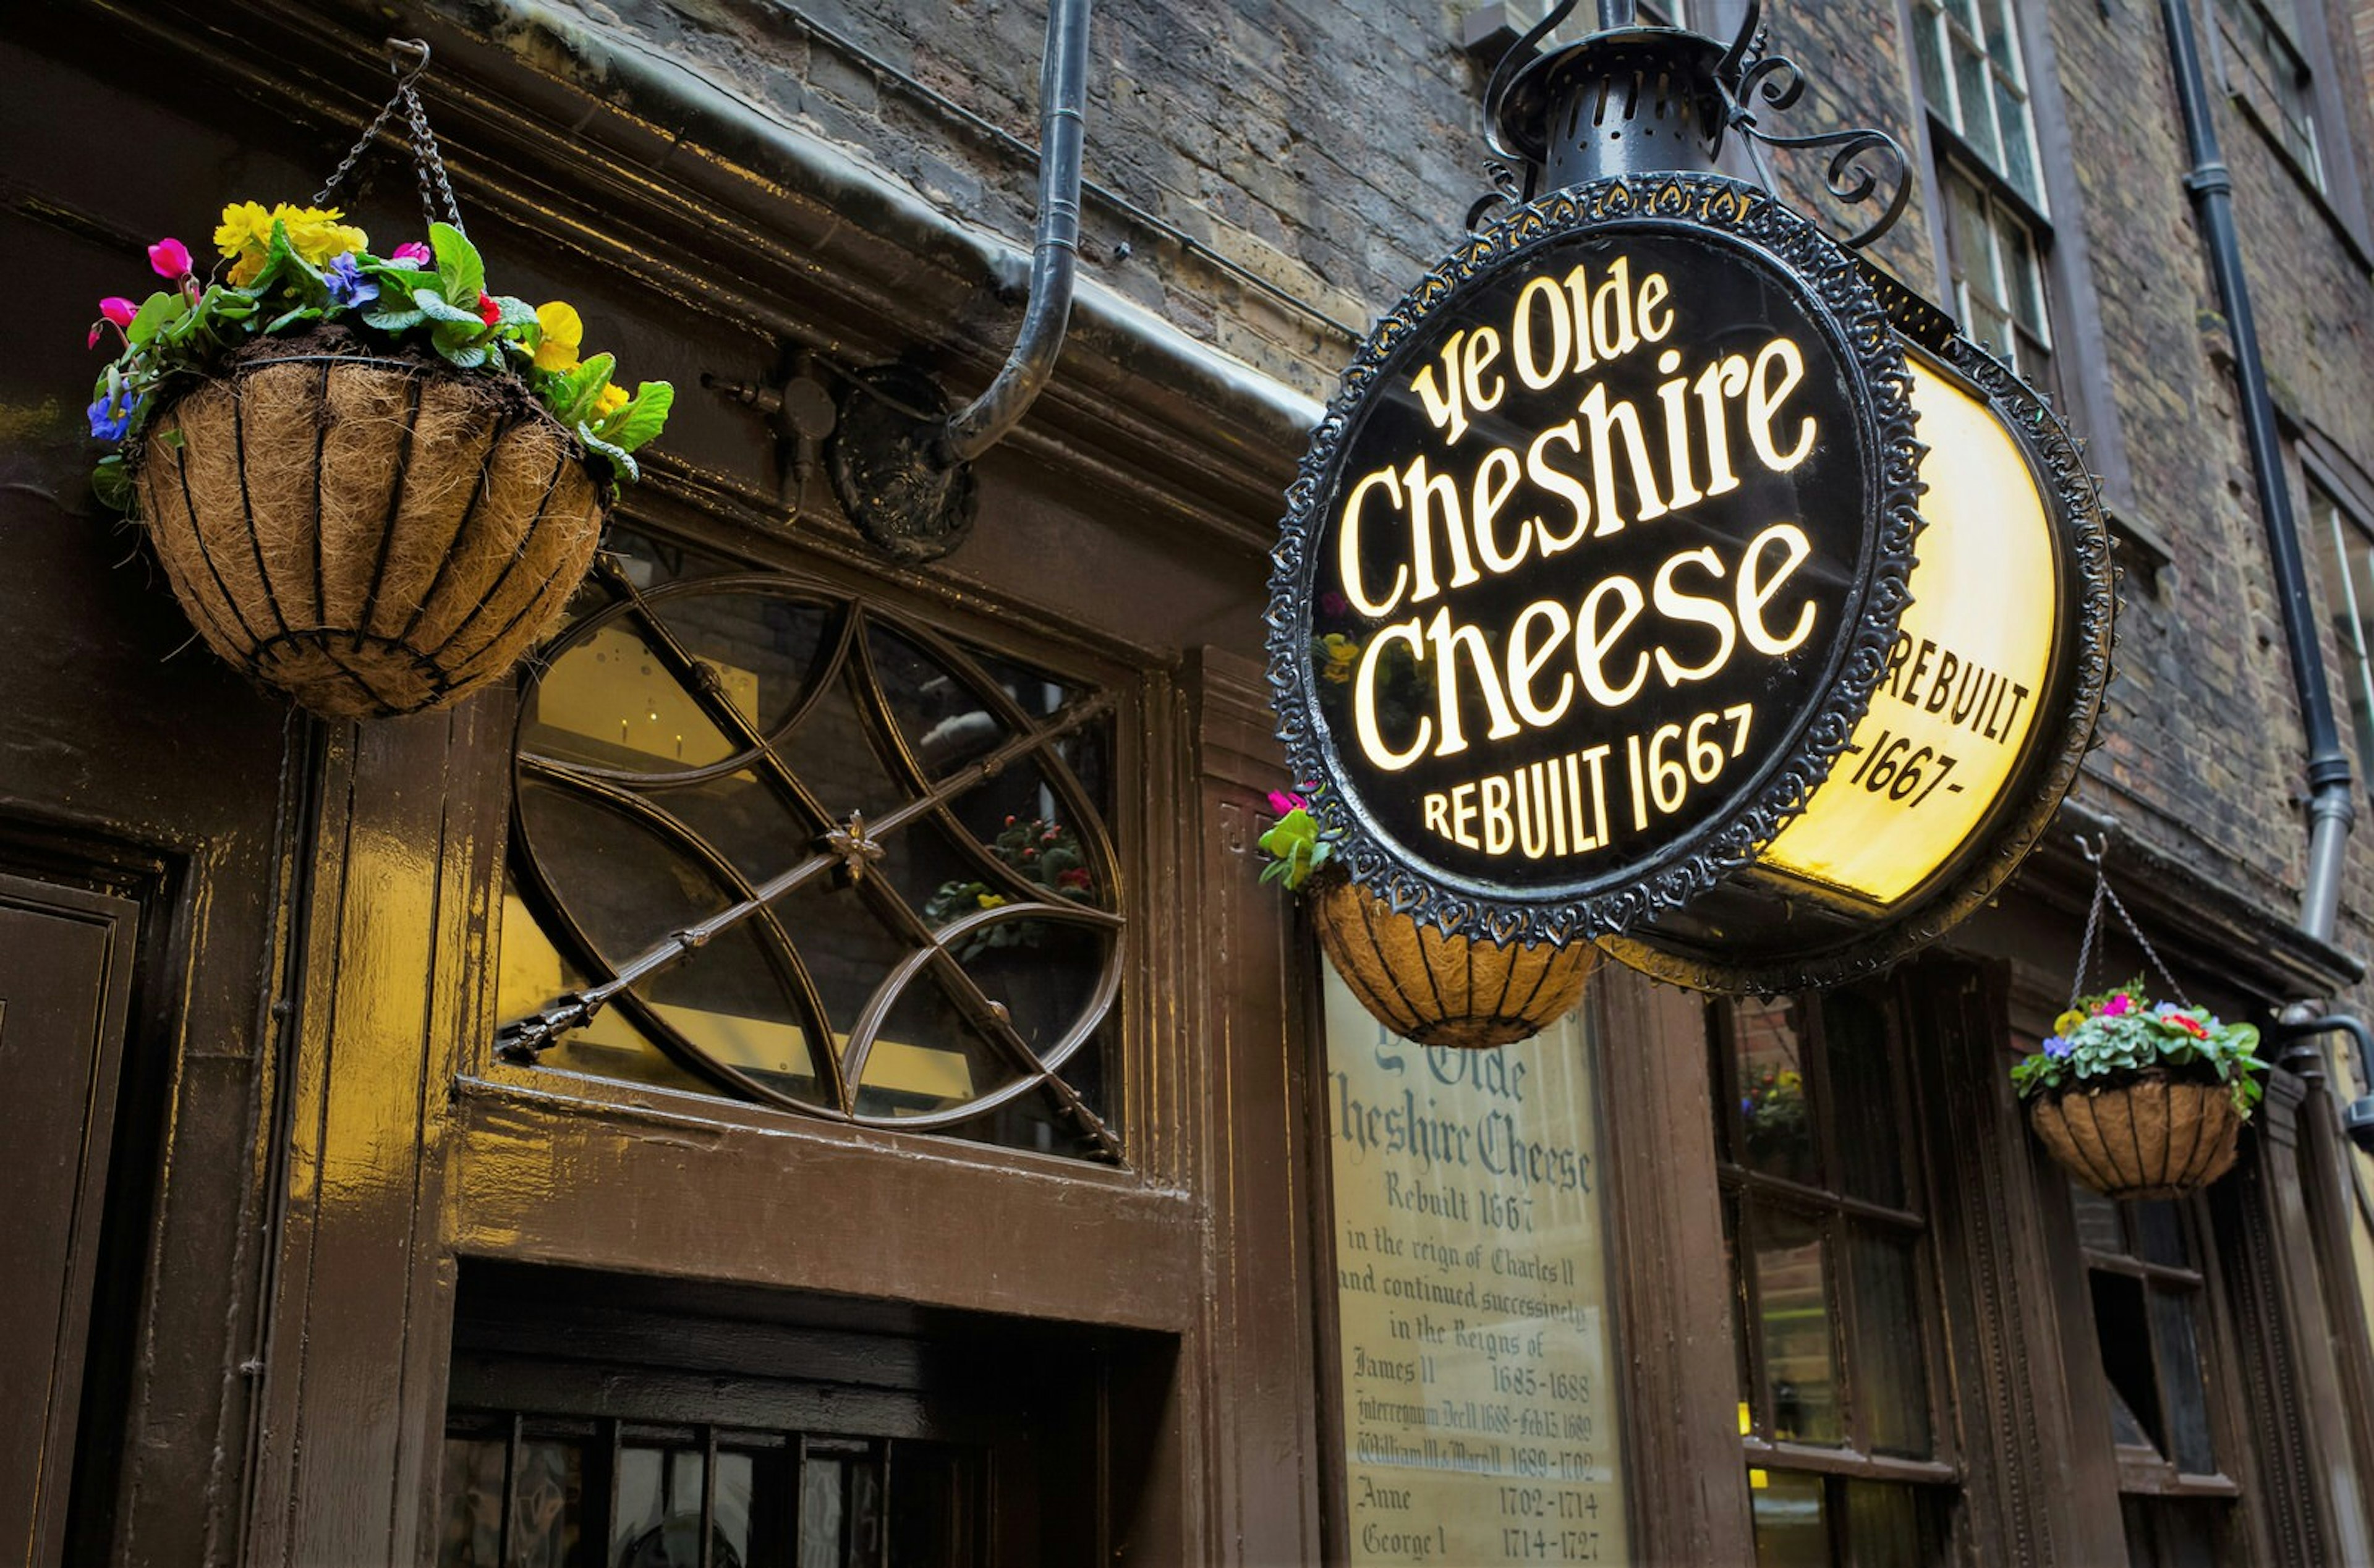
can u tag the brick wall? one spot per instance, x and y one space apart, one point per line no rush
1331 149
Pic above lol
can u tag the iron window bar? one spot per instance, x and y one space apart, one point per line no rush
843 849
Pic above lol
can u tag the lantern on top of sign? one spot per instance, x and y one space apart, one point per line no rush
1598 557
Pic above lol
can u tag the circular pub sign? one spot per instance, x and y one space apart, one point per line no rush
1596 560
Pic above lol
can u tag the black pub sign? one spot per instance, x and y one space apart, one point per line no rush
1596 558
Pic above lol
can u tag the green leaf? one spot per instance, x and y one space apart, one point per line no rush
154 313
582 386
111 482
640 420
393 316
431 302
621 463
283 268
290 318
460 272
515 311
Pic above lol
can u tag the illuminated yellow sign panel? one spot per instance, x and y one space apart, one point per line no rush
1952 716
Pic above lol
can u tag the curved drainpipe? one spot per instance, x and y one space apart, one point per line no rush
1054 259
2331 805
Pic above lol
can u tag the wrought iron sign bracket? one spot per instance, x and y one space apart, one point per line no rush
1660 98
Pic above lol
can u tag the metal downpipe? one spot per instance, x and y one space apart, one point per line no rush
2331 800
1054 259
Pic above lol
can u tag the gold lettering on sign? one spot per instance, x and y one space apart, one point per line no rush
1958 700
1471 513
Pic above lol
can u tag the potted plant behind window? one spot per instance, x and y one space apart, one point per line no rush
1426 985
373 483
2142 1099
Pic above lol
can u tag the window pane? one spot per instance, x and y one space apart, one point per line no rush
2099 1229
1793 1302
2125 1338
1971 79
2180 1368
2018 156
1890 1526
1890 1379
2159 1233
1730 1257
1854 1058
1792 1530
472 1532
1974 246
1926 30
1774 1112
548 1505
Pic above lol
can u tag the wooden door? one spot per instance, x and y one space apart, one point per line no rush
65 980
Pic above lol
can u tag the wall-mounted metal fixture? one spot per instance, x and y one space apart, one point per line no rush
1632 99
2293 1034
900 462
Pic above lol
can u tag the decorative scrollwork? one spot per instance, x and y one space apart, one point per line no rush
686 837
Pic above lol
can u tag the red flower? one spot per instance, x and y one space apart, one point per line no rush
170 258
1077 877
489 312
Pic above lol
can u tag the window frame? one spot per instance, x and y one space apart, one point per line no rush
1943 1475
2079 387
2335 187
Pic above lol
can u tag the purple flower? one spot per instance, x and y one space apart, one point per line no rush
348 287
1282 803
2058 1047
109 422
411 256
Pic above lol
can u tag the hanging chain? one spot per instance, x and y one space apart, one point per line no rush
426 163
2087 956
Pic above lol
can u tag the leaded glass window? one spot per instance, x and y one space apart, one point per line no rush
776 841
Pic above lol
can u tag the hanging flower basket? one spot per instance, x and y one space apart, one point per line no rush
2137 1098
374 486
1424 984
366 531
1444 990
2151 1135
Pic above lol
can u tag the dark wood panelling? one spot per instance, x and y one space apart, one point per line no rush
66 987
1681 1393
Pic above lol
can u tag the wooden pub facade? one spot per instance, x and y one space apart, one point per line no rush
338 1237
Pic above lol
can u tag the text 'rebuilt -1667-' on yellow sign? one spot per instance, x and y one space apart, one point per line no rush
1951 717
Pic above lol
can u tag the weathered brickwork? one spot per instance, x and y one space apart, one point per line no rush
1330 149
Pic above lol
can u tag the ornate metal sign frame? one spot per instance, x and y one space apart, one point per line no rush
2031 797
1832 287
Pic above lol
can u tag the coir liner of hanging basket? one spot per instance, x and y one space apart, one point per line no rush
1440 990
2156 1135
364 529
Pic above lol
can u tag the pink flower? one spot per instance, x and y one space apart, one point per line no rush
1281 801
170 258
119 310
2119 1006
411 254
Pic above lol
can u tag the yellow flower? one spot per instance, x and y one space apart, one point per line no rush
991 900
563 333
1343 653
2068 1021
612 399
316 234
244 236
